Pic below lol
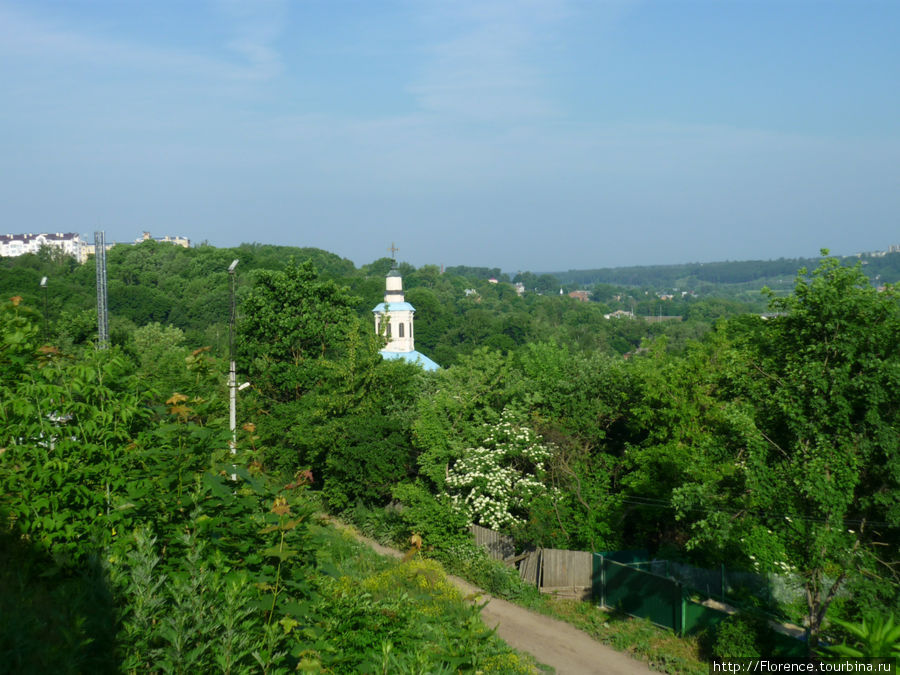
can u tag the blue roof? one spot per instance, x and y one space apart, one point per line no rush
412 357
381 308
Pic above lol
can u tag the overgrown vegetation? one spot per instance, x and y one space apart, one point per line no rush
770 444
132 540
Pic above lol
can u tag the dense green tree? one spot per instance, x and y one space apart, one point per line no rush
815 484
293 325
294 330
432 318
160 353
483 273
327 399
578 403
369 445
457 404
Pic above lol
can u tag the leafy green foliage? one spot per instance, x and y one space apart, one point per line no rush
293 325
333 405
452 415
821 383
742 636
66 430
877 638
53 620
207 563
431 516
770 444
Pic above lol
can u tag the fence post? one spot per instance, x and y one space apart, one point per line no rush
540 573
723 583
602 581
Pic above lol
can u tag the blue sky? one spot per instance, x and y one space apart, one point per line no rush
525 134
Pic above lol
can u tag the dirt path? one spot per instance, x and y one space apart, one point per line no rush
552 642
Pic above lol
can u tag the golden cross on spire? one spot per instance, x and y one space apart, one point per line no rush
393 249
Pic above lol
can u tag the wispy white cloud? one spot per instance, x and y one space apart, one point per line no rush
46 39
256 25
480 66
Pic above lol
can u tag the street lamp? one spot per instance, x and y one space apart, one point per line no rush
232 383
44 286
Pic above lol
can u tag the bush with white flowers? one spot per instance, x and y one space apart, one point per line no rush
493 483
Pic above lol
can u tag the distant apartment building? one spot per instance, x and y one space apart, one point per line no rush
893 248
583 296
70 243
89 249
178 241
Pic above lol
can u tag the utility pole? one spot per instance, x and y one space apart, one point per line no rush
44 286
232 382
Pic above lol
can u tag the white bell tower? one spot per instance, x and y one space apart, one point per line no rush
394 316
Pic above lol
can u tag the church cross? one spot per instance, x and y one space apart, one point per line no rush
393 249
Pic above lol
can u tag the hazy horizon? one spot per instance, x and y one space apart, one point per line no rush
533 135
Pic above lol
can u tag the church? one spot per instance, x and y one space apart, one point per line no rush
394 318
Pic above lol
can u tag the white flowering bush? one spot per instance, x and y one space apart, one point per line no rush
493 483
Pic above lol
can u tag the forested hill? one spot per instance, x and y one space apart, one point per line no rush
458 310
773 273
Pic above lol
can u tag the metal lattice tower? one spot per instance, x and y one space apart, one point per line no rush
102 312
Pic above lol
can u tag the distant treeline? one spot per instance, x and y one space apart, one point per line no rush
881 269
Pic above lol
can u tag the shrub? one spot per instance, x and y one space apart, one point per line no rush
440 525
742 635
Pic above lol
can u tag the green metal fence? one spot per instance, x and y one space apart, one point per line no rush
640 593
662 600
727 585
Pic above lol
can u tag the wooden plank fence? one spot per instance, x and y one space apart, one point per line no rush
566 574
499 546
530 568
563 573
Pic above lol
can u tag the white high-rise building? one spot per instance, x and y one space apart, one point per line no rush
70 243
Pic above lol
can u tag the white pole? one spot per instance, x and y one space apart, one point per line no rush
232 383
232 412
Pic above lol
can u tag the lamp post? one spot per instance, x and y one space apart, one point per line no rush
44 286
232 383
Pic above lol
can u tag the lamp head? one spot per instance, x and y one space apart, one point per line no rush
232 266
43 282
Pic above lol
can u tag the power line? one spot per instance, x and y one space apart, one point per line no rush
663 504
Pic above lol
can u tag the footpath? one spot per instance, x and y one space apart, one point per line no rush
552 642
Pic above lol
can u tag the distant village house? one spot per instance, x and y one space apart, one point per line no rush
619 314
